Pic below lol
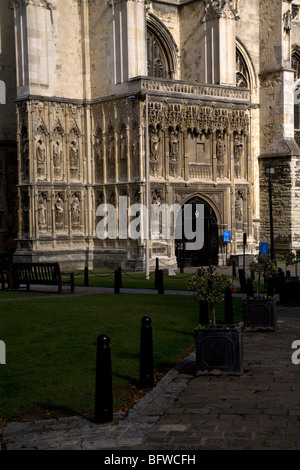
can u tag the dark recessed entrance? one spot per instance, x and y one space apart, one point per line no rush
208 254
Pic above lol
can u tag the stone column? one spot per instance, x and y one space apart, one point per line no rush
220 49
278 146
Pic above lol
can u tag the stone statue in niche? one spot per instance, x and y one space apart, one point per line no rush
25 159
174 145
73 154
111 156
238 152
239 201
57 157
134 163
221 148
40 158
123 155
75 210
287 20
154 142
99 158
59 211
42 211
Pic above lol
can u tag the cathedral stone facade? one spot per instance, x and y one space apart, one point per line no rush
165 102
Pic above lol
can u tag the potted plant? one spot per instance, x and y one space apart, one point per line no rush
218 346
260 311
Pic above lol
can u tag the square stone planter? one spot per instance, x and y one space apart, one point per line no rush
219 350
260 313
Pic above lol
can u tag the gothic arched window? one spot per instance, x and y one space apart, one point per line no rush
296 67
158 66
242 74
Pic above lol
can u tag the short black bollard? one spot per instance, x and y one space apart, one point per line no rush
103 393
146 354
86 276
249 288
203 312
156 278
117 282
242 277
120 276
270 287
228 307
233 269
160 281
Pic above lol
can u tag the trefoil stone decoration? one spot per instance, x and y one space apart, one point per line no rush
37 3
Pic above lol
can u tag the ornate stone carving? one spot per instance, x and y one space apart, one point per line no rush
238 154
42 211
59 211
219 9
110 149
40 153
287 21
75 210
134 161
154 151
239 204
123 153
38 3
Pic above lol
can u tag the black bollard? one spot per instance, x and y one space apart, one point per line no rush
249 288
103 393
203 312
160 285
270 287
156 279
228 307
117 282
242 277
86 276
120 276
146 354
233 269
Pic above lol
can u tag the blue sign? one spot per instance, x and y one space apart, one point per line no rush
226 236
264 248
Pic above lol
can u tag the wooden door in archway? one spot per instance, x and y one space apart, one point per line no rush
208 254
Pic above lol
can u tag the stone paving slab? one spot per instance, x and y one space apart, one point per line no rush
259 410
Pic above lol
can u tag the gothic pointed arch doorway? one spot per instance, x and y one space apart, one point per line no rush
208 254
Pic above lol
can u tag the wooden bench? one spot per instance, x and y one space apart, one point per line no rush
41 274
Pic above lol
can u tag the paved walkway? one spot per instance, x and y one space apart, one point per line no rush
258 410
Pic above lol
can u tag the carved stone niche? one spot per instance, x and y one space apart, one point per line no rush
98 156
174 151
239 210
74 154
110 155
40 154
59 211
238 155
134 156
155 150
58 151
25 214
76 210
123 153
42 208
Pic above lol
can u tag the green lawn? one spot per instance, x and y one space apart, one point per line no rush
51 352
